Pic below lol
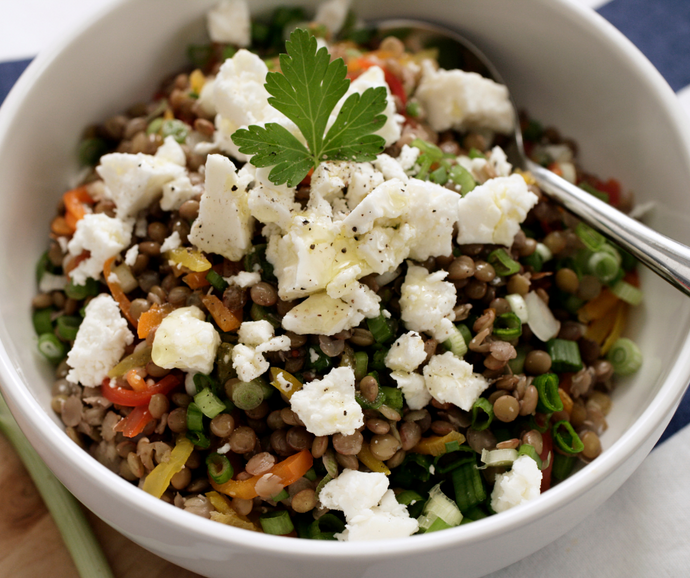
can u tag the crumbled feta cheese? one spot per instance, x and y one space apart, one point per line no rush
359 296
176 192
229 22
50 282
224 225
390 167
408 157
103 237
172 242
374 77
133 182
521 484
141 227
256 338
171 151
371 509
320 314
185 341
100 342
328 406
332 14
492 212
452 380
244 279
131 255
364 179
269 203
455 99
406 353
499 162
413 387
331 178
206 101
427 302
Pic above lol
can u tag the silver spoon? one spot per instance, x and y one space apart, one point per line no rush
666 257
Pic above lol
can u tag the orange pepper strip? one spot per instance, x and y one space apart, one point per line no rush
226 319
74 204
135 381
436 445
618 326
566 399
152 318
598 329
597 307
289 470
60 227
135 422
117 292
196 280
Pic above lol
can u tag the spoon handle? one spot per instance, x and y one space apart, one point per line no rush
666 257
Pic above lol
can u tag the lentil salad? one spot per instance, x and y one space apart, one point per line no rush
179 433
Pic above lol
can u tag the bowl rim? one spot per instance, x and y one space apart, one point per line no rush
50 439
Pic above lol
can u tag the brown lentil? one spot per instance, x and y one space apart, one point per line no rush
567 280
304 501
347 462
506 408
222 425
528 403
592 445
298 438
534 438
242 507
397 459
537 362
319 446
369 388
181 479
189 210
475 289
348 445
177 420
378 426
361 337
461 268
158 405
383 447
481 440
484 271
150 248
410 434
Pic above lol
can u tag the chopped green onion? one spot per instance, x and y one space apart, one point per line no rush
280 496
439 506
504 457
601 195
327 478
277 523
261 313
361 364
216 280
203 381
534 260
474 514
377 403
604 266
454 458
547 387
91 150
435 525
565 355
453 446
476 154
380 328
456 343
79 292
311 475
424 161
393 397
539 421
208 403
507 326
482 414
408 497
51 347
428 148
625 356
544 252
562 466
412 109
154 126
199 439
415 468
461 176
378 360
439 176
318 360
517 364
256 259
247 395
176 129
219 468
503 263
627 292
195 418
67 327
468 485
568 441
518 306
528 450
590 238
42 320
326 527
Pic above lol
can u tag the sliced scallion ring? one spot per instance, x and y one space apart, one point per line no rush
566 439
219 468
625 356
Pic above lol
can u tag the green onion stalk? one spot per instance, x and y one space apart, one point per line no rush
63 506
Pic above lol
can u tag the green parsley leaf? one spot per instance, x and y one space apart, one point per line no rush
307 92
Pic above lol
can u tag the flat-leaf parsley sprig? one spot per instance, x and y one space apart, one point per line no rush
308 89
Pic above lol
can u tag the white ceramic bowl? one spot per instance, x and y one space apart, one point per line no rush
562 62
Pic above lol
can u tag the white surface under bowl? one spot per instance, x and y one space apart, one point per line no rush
563 63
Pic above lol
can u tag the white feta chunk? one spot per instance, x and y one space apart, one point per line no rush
256 338
320 314
50 282
255 332
244 279
427 302
498 161
390 168
492 212
452 380
171 151
103 237
224 225
408 157
269 203
131 255
172 242
407 352
185 341
230 23
100 342
328 406
414 389
371 509
332 14
177 192
133 182
455 99
364 179
521 484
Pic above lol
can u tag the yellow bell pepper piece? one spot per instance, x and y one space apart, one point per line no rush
285 382
374 464
159 479
226 515
190 258
618 326
197 81
137 359
436 445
